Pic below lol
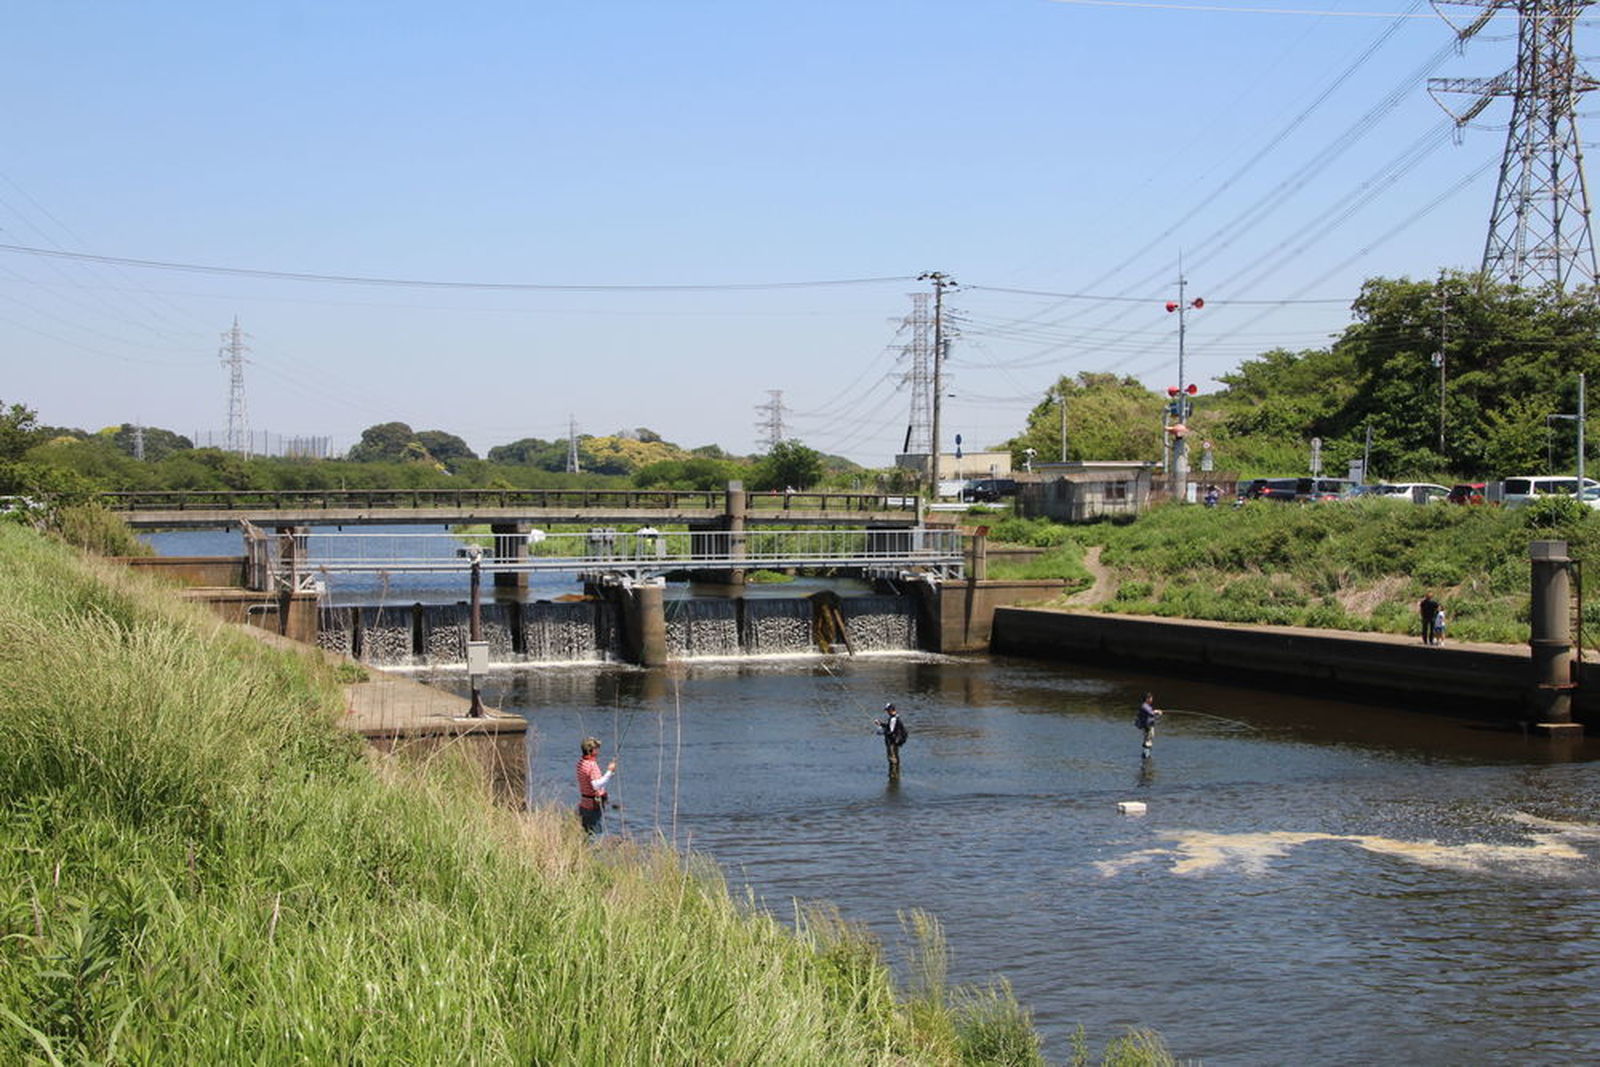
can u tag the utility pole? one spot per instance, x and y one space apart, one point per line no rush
1061 400
940 282
1539 226
232 353
1582 416
1439 357
1181 393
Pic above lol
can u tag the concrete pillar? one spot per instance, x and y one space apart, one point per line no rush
650 618
1550 616
733 521
978 559
510 545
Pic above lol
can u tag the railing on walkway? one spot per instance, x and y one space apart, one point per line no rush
644 500
938 552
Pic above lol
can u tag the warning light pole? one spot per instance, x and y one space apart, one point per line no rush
1179 395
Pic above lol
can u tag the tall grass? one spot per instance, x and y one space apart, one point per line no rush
1360 565
199 867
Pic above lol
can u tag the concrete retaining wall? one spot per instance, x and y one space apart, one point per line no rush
191 570
1479 680
961 614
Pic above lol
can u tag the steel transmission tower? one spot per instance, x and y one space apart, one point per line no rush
771 424
919 376
233 350
1539 230
573 466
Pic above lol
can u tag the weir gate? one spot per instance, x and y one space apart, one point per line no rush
621 545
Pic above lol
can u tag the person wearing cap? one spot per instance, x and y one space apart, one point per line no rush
592 786
894 735
1145 719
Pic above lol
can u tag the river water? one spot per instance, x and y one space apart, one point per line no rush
1312 881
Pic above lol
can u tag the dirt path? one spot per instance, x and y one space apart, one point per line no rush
1102 590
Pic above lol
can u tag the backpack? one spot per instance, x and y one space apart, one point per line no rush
899 734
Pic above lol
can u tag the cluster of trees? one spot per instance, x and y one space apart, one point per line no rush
41 458
1511 359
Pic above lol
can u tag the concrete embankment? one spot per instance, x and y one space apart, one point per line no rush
1481 680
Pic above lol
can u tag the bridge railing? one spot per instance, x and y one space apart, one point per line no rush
602 549
254 500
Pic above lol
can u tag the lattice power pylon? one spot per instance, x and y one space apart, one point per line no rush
919 377
232 354
1539 229
771 425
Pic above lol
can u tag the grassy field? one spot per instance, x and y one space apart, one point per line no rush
1359 565
200 867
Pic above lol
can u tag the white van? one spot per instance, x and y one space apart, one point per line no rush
1520 490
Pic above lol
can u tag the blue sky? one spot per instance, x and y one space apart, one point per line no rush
1024 147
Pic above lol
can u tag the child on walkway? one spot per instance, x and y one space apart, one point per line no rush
1438 627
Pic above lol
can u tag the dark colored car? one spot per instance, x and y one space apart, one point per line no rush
1290 490
1467 493
992 489
1283 490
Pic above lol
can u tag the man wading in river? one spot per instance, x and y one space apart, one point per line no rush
894 735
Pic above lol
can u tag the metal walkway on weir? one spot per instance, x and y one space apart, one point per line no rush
296 560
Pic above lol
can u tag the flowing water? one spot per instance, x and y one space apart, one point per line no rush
1312 882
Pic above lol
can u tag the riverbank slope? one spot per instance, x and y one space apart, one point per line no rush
200 866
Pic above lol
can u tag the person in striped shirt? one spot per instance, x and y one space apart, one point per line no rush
592 786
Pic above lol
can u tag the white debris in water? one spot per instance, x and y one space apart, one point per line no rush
1131 807
1550 846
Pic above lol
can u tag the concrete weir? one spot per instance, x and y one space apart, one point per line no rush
1483 680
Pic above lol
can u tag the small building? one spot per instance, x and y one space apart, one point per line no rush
955 471
1086 490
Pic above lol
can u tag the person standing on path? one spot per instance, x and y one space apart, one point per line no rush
1145 719
592 786
1438 627
1429 608
894 735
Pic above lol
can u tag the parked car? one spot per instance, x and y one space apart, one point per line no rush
1283 490
1468 493
1296 490
992 489
1419 492
1326 488
1523 488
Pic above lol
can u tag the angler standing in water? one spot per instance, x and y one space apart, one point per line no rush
894 735
1146 719
592 786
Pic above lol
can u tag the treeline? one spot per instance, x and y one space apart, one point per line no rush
36 458
1451 377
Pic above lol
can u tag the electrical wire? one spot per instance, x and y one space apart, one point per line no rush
422 283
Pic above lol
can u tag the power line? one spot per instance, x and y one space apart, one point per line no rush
424 283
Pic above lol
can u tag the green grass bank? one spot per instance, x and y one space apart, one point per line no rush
1358 565
200 867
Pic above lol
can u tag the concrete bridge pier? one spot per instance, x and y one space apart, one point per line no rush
1550 616
733 521
510 546
645 621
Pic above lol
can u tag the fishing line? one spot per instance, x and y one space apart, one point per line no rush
834 716
1208 715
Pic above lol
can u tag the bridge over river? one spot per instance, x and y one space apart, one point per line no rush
696 509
